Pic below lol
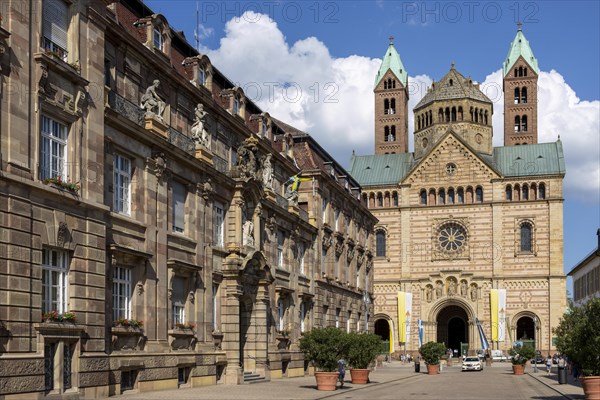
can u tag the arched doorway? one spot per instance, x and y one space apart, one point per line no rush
525 328
382 329
452 327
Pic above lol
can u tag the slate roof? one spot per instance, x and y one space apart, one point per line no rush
520 48
382 169
452 86
391 60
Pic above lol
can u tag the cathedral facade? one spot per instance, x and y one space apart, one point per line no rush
470 235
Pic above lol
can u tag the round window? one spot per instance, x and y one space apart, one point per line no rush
452 237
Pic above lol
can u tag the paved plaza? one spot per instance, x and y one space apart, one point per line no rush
393 381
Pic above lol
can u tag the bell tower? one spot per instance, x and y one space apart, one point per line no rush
520 72
391 104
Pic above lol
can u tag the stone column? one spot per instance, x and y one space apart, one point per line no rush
230 323
262 330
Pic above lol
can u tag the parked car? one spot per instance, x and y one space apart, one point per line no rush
472 364
538 359
498 355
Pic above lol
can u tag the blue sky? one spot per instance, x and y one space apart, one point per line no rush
344 41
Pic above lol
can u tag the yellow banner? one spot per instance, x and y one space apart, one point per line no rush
494 313
401 317
391 338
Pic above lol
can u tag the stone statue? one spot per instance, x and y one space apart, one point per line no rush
291 196
151 102
429 293
473 293
451 287
199 134
246 158
248 233
439 288
267 171
463 288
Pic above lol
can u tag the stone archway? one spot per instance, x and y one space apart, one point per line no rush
452 326
525 328
382 329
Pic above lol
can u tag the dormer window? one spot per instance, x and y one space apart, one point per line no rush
264 128
202 76
236 106
158 39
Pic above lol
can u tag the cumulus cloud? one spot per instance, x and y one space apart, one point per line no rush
332 98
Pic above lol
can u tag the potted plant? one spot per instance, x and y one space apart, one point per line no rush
324 347
520 356
432 352
361 350
577 338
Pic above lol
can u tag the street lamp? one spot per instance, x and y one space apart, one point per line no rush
535 321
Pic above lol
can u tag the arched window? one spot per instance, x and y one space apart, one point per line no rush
533 191
386 133
393 134
509 193
526 237
479 195
517 95
379 200
450 196
394 83
453 113
451 82
423 197
395 199
517 193
385 85
471 112
520 71
524 123
460 113
516 73
477 115
447 114
524 95
442 196
517 123
365 200
386 106
542 191
524 71
440 115
461 195
419 122
469 199
525 193
431 201
380 243
393 106
485 118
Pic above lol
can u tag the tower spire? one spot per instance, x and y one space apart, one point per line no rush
391 39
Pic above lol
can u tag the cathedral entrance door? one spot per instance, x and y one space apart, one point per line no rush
382 329
452 327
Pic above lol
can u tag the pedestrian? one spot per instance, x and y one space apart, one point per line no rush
548 364
341 371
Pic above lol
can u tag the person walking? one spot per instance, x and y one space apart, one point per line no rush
548 364
341 371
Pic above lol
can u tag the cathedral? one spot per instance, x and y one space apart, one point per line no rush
470 236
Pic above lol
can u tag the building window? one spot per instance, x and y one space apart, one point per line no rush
53 149
49 352
325 312
379 200
479 195
348 322
450 196
121 293
178 297
183 375
324 210
202 76
423 197
542 191
280 243
301 251
509 193
236 106
55 281
215 289
380 243
461 196
122 185
280 315
337 317
524 95
55 27
517 123
158 39
128 380
395 199
302 316
441 196
524 123
218 224
526 237
517 96
525 195
179 194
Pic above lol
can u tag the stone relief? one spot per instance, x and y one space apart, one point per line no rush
463 288
473 292
291 196
246 158
199 134
452 286
327 241
267 171
151 102
439 289
429 293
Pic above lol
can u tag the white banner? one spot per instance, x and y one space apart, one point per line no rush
408 308
501 315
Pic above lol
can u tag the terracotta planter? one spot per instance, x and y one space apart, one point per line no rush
326 380
432 369
518 369
591 387
359 376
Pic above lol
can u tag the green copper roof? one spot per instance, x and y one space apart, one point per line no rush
530 159
383 169
520 47
391 60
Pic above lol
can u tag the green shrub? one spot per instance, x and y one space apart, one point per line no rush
324 347
521 354
361 349
432 352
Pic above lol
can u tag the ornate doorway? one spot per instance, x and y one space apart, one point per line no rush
382 329
452 326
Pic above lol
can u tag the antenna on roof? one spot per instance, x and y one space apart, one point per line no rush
197 30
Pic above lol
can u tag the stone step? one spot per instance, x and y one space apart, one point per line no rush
250 377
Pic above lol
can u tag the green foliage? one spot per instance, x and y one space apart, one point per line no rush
361 349
578 337
324 347
432 352
521 354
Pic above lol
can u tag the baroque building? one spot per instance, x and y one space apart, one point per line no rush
150 234
469 234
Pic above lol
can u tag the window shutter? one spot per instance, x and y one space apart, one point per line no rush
56 22
178 206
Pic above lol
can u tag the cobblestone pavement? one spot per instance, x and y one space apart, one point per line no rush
393 381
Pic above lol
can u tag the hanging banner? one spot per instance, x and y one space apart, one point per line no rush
407 314
507 325
420 326
401 317
485 345
391 337
501 315
494 313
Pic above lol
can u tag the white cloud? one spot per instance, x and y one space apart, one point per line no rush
332 98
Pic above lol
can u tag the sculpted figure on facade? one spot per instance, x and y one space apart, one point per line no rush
151 102
463 288
291 196
473 292
199 134
246 158
429 293
452 287
267 171
439 289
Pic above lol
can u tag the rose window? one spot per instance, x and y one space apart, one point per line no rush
452 237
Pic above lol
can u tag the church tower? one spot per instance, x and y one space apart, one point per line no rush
520 72
391 104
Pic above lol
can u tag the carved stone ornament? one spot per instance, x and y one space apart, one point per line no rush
267 171
473 292
206 189
140 288
351 252
327 241
271 224
199 133
62 234
157 164
151 102
339 247
360 259
247 158
429 293
291 196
